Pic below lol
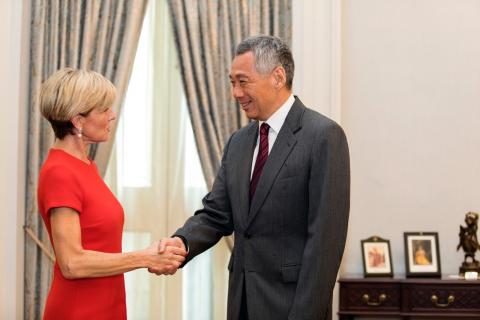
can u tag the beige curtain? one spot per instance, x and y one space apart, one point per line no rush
101 35
206 33
146 168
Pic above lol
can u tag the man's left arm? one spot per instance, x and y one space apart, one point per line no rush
329 204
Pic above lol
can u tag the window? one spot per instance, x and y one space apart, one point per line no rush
155 173
134 134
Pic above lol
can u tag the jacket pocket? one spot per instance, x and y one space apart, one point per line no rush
290 273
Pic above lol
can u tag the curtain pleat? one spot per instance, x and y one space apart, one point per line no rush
100 35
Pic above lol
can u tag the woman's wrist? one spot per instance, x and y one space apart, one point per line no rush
142 259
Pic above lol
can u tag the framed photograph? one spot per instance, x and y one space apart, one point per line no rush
377 257
422 254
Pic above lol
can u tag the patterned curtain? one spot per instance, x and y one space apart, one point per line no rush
100 35
206 33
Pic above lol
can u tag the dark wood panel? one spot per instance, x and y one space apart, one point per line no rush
424 298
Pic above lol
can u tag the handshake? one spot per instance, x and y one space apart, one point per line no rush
166 256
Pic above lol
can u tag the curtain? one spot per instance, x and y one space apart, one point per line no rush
155 173
146 168
100 35
206 33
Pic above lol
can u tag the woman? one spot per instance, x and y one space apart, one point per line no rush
83 218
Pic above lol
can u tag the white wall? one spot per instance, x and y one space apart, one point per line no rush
411 93
12 161
408 98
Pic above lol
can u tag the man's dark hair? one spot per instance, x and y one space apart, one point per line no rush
269 52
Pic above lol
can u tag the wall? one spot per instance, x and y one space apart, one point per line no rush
403 79
13 36
410 94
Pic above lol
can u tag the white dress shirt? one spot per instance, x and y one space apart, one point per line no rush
275 122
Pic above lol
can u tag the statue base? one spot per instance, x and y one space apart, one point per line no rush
470 266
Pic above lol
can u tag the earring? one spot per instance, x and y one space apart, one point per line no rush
79 134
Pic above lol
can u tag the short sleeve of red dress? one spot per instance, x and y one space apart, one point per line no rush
60 189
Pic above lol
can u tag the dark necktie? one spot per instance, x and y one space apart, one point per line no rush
261 158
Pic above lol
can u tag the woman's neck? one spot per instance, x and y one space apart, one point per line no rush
74 146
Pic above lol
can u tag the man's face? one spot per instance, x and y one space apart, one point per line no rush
254 92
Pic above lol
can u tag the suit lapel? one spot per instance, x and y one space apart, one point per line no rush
245 167
281 149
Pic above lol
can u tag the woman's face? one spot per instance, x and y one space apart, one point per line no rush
96 125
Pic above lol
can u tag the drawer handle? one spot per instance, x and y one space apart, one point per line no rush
450 300
381 299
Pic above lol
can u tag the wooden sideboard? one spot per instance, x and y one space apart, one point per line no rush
412 298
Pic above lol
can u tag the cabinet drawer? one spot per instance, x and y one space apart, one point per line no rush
365 297
447 298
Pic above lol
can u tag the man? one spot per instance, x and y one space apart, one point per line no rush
283 188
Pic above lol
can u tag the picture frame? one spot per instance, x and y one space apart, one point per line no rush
377 257
422 254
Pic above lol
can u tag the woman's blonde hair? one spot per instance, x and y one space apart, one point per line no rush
70 92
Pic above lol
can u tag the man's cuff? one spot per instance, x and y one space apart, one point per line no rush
185 242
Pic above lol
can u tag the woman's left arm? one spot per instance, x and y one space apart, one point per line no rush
75 262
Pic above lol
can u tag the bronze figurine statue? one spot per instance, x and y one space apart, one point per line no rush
469 243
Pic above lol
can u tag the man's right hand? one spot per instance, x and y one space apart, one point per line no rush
166 256
172 242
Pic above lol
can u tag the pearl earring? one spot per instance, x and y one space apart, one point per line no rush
79 134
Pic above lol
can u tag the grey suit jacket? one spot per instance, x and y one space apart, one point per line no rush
290 239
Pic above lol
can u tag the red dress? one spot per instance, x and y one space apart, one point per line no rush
66 181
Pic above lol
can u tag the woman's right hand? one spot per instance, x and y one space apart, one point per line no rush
165 261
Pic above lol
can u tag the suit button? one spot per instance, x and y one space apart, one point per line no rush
247 235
